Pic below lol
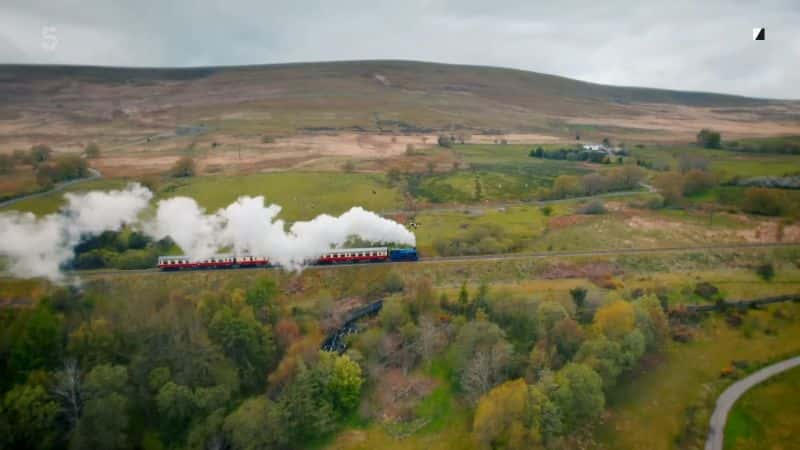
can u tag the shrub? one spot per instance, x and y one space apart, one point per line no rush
39 153
349 166
445 141
768 202
267 139
393 282
706 290
92 150
766 271
183 167
593 207
709 139
546 210
410 150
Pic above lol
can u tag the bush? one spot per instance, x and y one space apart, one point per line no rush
39 153
267 139
393 282
183 168
65 167
410 150
546 210
766 271
92 150
445 141
768 202
593 207
709 139
349 166
706 290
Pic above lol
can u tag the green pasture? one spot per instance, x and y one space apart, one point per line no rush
767 416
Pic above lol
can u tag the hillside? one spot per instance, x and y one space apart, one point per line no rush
64 105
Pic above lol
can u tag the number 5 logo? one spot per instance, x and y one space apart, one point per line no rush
49 39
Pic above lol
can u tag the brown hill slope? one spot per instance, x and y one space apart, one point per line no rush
66 104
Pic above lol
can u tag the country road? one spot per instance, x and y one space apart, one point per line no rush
95 174
493 257
725 402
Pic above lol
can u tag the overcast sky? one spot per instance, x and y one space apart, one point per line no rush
679 44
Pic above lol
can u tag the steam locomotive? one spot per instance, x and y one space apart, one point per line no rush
336 256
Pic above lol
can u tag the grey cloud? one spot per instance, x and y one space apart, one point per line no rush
680 44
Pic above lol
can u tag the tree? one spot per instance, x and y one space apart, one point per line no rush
444 141
651 321
341 379
94 342
308 412
578 395
106 389
696 181
246 341
183 167
257 424
616 319
595 183
567 336
766 271
68 389
578 295
567 186
463 297
92 150
481 354
550 313
30 415
768 202
39 153
35 341
605 357
689 161
709 139
513 415
670 186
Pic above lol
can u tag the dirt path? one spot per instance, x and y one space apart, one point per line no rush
725 402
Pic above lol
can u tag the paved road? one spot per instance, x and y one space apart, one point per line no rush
58 187
725 402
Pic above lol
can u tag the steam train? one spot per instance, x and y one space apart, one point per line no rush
336 256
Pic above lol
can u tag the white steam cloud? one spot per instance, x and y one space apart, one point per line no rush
250 226
38 247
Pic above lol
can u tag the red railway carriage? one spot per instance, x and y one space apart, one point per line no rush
355 255
212 262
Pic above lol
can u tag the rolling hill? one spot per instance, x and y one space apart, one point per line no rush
66 104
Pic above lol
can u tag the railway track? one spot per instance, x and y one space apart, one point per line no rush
494 257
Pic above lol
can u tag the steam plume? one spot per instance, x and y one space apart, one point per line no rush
38 247
250 226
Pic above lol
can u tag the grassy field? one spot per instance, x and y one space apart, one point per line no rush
767 417
647 410
724 162
303 195
51 202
